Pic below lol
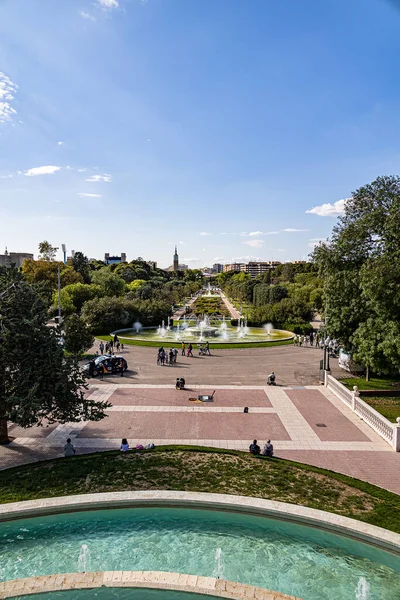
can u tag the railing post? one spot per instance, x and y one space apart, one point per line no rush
325 378
354 395
396 435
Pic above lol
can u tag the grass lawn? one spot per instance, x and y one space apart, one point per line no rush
204 470
388 407
375 383
165 344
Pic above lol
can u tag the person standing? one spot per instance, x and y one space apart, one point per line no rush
207 351
101 347
100 369
69 449
311 338
118 346
171 357
189 350
121 368
175 355
183 349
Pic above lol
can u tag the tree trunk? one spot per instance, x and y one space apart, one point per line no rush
4 439
367 374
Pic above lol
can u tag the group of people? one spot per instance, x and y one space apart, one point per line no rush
307 340
165 357
108 347
268 449
70 450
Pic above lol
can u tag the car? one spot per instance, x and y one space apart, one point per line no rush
107 362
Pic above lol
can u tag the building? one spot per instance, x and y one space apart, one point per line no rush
218 268
15 259
113 260
234 267
176 260
257 268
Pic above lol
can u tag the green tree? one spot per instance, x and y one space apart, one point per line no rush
80 263
47 251
77 336
74 296
111 284
104 315
37 381
361 268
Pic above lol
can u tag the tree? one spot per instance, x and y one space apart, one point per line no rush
80 263
74 296
78 337
104 315
361 269
111 284
47 251
37 382
37 271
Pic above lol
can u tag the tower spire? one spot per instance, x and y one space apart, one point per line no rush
176 260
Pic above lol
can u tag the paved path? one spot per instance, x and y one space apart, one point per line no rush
236 366
308 424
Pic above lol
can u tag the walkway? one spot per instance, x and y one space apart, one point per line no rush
235 314
307 424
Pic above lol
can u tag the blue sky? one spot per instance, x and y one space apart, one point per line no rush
132 125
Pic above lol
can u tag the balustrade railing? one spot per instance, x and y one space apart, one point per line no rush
388 431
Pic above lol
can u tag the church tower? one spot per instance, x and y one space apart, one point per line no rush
176 260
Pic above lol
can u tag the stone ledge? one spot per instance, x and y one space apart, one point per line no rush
301 515
209 586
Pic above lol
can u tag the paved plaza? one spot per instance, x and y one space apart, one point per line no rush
235 366
308 424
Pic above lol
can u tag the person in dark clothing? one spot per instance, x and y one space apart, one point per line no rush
101 372
113 365
115 339
207 351
121 368
254 448
91 368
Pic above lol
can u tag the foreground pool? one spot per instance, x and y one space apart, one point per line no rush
277 555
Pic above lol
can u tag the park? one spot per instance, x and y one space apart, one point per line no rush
324 503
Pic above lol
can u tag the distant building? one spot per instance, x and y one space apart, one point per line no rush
176 260
257 268
9 259
113 260
152 263
234 267
217 268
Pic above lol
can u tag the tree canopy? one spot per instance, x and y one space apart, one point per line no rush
38 383
361 268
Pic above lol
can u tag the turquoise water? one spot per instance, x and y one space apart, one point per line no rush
116 594
292 559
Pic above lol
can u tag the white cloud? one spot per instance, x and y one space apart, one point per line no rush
87 16
204 233
60 143
95 178
293 229
184 243
256 233
254 243
108 4
84 195
7 90
81 170
6 176
243 234
329 210
47 170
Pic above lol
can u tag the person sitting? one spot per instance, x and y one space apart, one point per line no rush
254 448
271 379
69 449
182 382
178 384
124 445
268 449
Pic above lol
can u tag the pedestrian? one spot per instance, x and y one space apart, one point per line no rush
311 338
124 445
100 369
113 365
171 357
107 347
183 349
91 367
111 344
122 346
166 357
96 355
295 341
162 356
118 346
300 340
115 338
101 347
158 357
121 368
207 350
175 354
69 449
317 340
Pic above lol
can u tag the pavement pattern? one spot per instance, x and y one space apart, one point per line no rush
305 423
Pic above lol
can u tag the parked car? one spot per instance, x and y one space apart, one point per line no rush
107 362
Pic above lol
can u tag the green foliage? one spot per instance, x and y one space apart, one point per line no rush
361 269
77 336
110 283
74 296
37 381
39 271
47 252
80 263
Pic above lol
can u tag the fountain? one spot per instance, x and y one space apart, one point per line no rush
202 328
84 559
268 328
363 589
137 326
219 568
168 324
161 331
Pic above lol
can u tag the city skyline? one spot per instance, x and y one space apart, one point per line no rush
235 133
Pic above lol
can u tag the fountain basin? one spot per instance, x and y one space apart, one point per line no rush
321 556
